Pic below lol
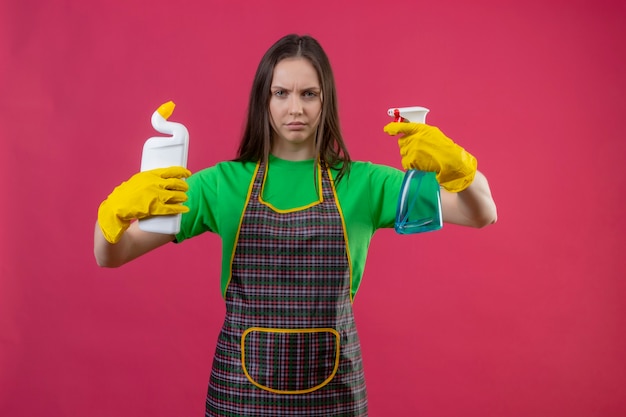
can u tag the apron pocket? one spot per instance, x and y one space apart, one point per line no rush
290 361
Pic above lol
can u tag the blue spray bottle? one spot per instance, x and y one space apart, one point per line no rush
419 202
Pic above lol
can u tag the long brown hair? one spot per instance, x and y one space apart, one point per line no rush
256 141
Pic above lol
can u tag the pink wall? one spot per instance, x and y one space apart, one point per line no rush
524 318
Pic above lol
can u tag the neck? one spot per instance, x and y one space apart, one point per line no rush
294 153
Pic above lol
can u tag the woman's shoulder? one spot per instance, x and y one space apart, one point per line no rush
366 175
227 168
361 168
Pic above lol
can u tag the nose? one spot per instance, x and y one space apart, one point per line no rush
295 106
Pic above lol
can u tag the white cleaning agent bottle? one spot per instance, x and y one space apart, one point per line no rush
163 152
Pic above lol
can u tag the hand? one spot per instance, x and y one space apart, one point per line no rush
426 148
149 193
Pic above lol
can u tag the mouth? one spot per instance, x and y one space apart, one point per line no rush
295 125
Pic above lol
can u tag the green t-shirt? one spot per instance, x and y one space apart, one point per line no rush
367 197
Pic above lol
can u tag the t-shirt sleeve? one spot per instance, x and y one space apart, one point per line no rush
385 183
201 201
385 188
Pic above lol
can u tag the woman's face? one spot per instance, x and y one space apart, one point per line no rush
295 108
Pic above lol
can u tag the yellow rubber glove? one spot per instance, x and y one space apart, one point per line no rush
149 193
426 148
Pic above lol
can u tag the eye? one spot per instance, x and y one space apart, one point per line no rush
279 93
310 94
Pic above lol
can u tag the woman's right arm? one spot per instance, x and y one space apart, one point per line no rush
133 243
117 238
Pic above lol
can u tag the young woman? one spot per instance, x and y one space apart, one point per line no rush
294 239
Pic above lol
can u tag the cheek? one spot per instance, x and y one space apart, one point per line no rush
276 110
318 114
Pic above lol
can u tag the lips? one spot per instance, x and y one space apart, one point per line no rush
295 125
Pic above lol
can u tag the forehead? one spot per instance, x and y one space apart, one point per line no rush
295 70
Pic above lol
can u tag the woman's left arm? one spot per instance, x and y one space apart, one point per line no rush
473 207
465 196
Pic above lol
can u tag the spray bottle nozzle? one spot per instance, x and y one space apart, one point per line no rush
397 117
408 114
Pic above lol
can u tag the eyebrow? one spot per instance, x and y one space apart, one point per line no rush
279 87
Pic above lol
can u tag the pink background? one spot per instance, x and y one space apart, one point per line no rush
524 318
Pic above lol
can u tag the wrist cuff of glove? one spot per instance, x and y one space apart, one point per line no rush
459 184
112 226
459 179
